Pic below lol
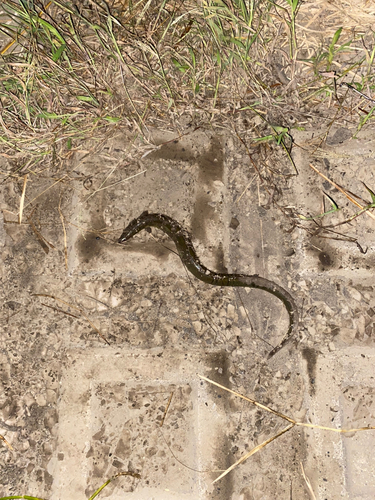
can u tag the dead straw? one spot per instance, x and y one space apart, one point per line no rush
77 309
293 423
344 192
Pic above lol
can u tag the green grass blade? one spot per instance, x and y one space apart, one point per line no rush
372 194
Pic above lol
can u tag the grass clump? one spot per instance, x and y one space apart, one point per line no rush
73 70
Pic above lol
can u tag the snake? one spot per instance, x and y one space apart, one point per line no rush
186 251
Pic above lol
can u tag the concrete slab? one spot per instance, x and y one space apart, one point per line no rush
78 411
114 415
341 396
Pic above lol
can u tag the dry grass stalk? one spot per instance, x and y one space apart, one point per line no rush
102 187
343 191
65 238
166 409
77 309
46 245
308 483
293 423
2 438
253 451
22 200
47 189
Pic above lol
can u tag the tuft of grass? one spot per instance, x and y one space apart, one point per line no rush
72 71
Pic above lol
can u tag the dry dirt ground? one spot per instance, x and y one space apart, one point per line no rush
77 410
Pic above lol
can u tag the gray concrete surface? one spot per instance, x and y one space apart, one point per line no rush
78 411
